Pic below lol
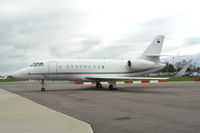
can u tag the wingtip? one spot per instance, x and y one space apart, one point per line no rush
183 70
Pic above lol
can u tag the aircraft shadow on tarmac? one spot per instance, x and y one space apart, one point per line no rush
128 90
138 89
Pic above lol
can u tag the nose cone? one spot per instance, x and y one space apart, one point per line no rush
22 73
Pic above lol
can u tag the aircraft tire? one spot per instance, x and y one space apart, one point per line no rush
42 89
99 85
111 87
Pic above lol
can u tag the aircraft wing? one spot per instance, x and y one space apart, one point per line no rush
179 74
124 78
182 71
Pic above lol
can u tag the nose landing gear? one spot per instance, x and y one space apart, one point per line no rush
42 83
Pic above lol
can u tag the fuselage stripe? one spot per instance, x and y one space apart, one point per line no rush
77 73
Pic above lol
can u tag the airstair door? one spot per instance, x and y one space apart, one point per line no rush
52 70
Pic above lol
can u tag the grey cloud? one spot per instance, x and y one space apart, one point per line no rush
192 41
158 26
147 31
75 49
89 42
37 31
138 40
31 30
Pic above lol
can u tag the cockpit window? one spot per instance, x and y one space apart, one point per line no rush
36 64
41 64
32 65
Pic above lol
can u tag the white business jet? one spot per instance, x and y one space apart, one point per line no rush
98 70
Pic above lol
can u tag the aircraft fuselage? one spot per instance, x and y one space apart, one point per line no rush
78 69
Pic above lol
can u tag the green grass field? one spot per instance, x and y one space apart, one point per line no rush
11 80
184 79
178 79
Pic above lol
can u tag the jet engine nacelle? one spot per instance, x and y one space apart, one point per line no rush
138 65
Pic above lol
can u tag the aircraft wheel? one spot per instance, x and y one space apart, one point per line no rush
42 89
111 87
114 88
99 85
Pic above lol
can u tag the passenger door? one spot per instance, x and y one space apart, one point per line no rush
52 70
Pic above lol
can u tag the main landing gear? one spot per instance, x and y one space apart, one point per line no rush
98 85
112 86
42 83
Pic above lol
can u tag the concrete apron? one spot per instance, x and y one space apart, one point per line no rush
20 115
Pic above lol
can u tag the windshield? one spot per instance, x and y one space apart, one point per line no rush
37 64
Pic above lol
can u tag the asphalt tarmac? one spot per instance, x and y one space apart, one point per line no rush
172 107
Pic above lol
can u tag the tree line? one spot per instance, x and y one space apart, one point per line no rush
170 67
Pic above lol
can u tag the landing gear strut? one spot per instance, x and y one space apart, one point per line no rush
112 86
42 83
98 85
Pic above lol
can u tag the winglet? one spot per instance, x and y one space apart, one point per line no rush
182 71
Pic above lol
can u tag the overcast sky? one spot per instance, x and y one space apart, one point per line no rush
42 29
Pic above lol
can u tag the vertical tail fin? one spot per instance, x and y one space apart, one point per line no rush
152 53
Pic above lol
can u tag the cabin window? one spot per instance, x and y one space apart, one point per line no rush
94 66
80 66
85 66
72 66
32 65
67 66
89 66
99 66
103 67
76 66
